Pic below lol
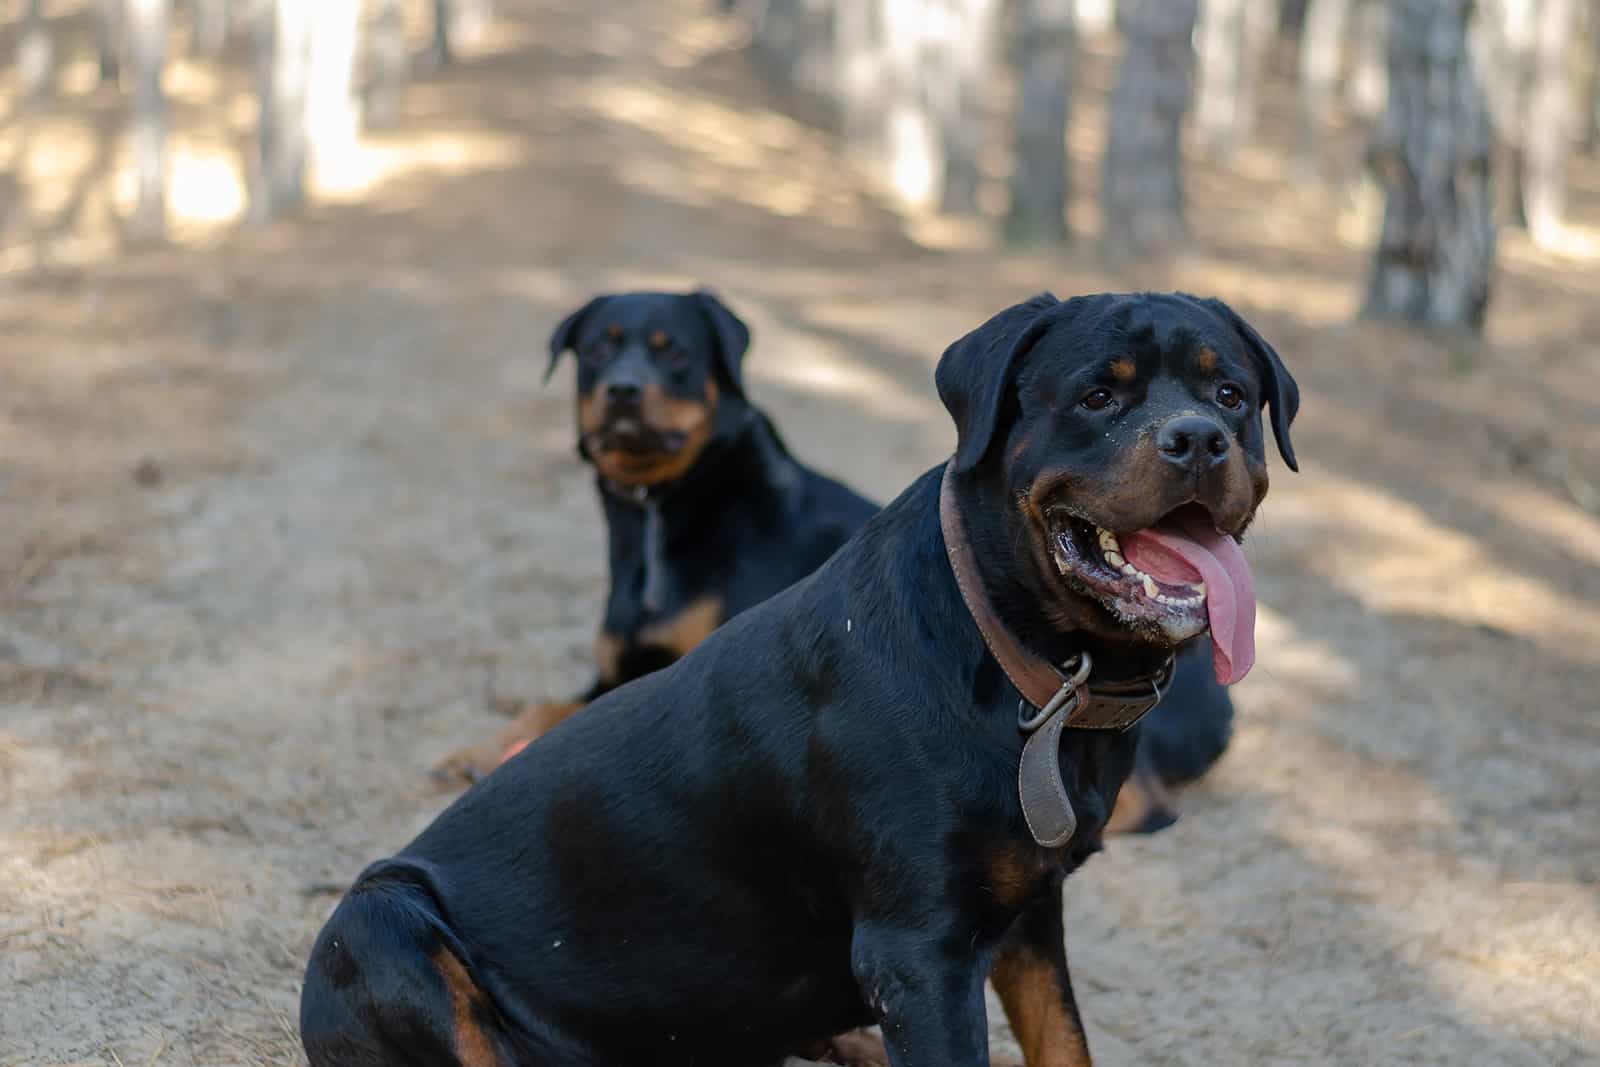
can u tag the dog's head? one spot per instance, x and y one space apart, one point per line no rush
1115 443
657 374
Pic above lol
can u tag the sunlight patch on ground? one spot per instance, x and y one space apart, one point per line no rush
1574 529
1390 556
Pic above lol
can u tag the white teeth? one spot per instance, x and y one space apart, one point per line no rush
1130 570
1115 559
1150 589
1108 541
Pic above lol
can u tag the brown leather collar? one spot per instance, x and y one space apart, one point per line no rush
1053 698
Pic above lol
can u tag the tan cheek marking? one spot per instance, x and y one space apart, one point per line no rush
473 1047
692 418
685 630
591 412
1034 1005
1124 370
1206 361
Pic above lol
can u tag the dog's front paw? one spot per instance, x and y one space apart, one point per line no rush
466 766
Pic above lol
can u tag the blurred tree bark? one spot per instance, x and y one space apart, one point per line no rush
333 111
209 26
1367 88
147 48
1589 100
390 65
1231 42
35 52
457 21
1549 127
956 71
1321 51
1435 254
281 45
108 20
1044 50
1142 200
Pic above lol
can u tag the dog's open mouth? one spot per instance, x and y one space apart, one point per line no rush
1178 576
628 434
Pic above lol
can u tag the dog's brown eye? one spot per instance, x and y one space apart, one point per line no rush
1097 399
1230 396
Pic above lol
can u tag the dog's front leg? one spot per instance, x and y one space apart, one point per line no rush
925 986
1030 974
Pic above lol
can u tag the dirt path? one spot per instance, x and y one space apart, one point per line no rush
284 516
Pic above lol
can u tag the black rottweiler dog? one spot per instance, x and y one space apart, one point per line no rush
706 512
854 802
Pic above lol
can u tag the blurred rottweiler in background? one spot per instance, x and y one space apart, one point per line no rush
706 512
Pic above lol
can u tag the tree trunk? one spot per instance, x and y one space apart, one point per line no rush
1367 91
1142 190
1589 102
390 65
1321 48
1505 38
333 112
147 45
442 51
35 53
1232 40
1435 254
209 26
955 72
1094 17
795 40
1044 46
1549 124
281 42
108 38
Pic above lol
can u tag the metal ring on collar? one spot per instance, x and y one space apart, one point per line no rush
1071 686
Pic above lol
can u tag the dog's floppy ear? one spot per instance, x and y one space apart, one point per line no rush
974 372
732 336
566 335
1279 390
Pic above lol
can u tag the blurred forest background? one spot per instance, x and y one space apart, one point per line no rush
1446 117
287 512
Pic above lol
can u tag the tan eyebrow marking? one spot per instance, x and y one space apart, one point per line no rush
614 332
1123 370
1206 360
659 339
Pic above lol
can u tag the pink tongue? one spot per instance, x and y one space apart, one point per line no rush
1192 550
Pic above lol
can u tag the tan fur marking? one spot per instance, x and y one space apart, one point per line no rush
692 418
608 656
659 339
615 331
1034 1004
470 764
1205 360
473 1047
1012 876
1124 370
686 629
1141 797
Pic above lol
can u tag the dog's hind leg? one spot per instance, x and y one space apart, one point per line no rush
1030 975
926 991
387 984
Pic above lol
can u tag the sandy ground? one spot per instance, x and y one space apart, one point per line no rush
286 514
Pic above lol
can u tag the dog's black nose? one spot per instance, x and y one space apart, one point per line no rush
623 393
1193 441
